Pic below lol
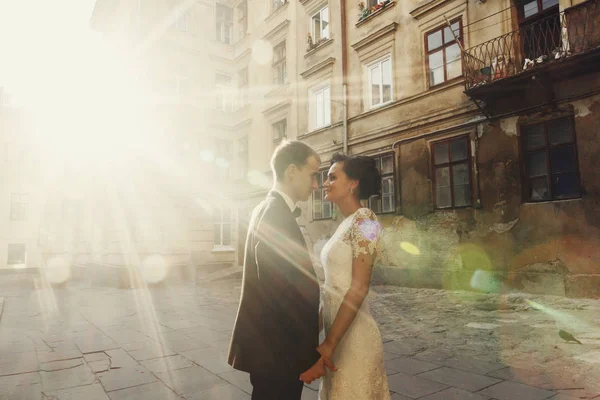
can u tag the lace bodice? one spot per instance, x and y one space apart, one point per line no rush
359 232
359 355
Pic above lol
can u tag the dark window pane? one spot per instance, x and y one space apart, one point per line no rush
533 136
462 195
560 131
460 174
388 203
442 176
375 204
442 197
530 9
458 149
538 189
387 165
441 153
536 164
562 159
434 40
388 185
326 209
546 4
565 185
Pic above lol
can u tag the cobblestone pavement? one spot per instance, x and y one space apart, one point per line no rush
169 343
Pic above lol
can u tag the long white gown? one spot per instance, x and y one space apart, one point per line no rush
359 355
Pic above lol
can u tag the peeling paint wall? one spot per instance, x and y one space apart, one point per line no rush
501 243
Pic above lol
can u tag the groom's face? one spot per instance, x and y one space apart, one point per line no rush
304 179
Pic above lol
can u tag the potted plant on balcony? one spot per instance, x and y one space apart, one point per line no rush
363 12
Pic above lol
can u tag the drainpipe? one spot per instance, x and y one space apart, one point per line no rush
344 76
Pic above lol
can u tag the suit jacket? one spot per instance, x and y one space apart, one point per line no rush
276 331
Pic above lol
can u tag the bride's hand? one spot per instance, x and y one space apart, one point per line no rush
326 350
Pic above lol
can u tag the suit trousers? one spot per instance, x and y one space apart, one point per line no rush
275 388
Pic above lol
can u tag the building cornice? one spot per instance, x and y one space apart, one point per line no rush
425 7
277 107
375 37
318 67
279 28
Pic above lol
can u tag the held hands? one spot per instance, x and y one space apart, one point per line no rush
318 370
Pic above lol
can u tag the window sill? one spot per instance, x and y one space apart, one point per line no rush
531 202
316 131
451 82
378 106
318 47
374 14
322 219
223 249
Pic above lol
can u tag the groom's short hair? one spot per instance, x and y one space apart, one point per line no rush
288 153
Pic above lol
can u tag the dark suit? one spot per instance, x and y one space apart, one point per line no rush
276 331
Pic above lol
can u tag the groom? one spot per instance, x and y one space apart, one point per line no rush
276 331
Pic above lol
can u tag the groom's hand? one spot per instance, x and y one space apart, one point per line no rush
314 373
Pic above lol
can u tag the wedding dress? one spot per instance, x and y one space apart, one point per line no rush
359 355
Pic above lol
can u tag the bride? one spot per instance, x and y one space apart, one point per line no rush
353 341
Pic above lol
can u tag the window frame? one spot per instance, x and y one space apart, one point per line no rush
280 64
379 158
540 14
312 25
323 178
277 4
443 48
18 207
370 67
224 24
274 126
450 164
226 103
221 223
525 180
313 112
373 3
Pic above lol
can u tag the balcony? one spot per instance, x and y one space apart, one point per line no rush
547 51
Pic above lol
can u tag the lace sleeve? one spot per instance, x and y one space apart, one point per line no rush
364 233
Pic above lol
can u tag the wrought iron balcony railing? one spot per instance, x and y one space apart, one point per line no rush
566 34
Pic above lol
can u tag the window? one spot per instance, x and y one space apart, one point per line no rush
243 157
224 24
17 254
278 4
321 207
386 202
380 81
223 157
321 107
320 25
539 21
18 207
443 54
223 92
279 64
452 173
372 3
280 130
181 22
242 19
243 87
550 162
222 228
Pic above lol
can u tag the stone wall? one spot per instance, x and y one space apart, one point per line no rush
501 243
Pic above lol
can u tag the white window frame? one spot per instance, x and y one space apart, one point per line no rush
318 199
182 21
370 68
280 65
8 252
312 25
224 25
226 103
18 207
385 176
325 91
221 224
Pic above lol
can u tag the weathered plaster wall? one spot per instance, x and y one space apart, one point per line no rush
501 243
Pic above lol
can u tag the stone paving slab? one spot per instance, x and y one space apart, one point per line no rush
398 396
226 392
122 378
512 390
408 366
472 365
239 379
29 392
455 394
413 386
65 374
169 363
211 359
89 392
190 380
150 391
459 379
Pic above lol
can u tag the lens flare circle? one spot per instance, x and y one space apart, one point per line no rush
58 270
410 248
154 269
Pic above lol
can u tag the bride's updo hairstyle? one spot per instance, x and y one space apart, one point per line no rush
362 169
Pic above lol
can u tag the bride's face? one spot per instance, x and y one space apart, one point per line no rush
337 186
